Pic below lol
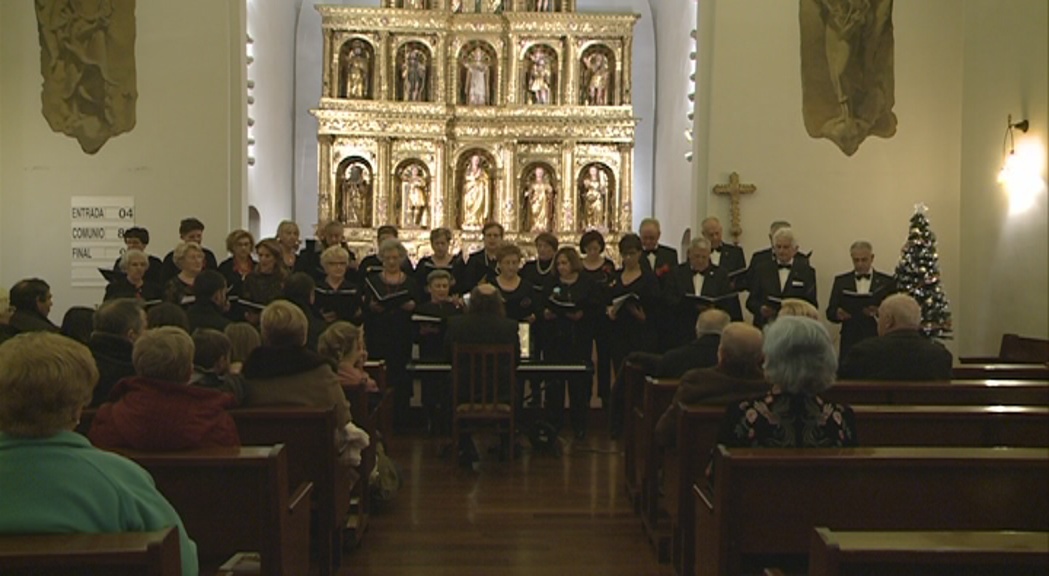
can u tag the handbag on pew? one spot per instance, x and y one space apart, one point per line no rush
385 478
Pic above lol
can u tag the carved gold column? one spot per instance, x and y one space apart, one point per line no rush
627 74
512 72
440 70
383 67
326 202
565 221
570 93
381 193
329 87
624 192
438 205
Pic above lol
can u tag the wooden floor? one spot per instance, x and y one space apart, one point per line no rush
541 514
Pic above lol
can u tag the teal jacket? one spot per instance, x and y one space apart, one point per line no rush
63 484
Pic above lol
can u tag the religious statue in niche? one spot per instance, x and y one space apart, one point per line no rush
356 71
540 75
413 74
415 4
594 196
476 189
88 65
476 70
354 196
414 191
596 78
848 85
539 196
544 5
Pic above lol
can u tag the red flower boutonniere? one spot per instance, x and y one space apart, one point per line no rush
662 270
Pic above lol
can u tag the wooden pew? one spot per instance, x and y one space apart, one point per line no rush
236 500
1001 371
835 553
114 554
954 392
766 502
885 426
383 413
1014 348
658 394
310 440
371 412
633 380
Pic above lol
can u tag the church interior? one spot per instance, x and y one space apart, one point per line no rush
597 114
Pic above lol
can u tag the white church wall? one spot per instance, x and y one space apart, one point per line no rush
1006 263
184 156
756 129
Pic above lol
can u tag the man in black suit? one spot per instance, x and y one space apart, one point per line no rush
698 277
737 376
728 257
189 230
661 260
765 255
485 322
900 351
855 297
702 352
786 276
483 262
136 238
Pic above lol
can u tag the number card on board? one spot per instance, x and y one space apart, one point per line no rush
97 235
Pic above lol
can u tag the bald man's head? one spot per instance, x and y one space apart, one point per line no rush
712 321
899 312
740 349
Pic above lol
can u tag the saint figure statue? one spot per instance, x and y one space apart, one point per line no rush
357 74
355 193
415 4
596 65
475 87
413 187
539 193
539 76
413 75
595 190
476 187
544 5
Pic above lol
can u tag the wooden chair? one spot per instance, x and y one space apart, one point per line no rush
484 384
114 554
958 553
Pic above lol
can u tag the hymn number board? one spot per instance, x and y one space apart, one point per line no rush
97 235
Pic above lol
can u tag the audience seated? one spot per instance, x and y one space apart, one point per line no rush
798 307
343 345
300 290
699 353
54 481
737 376
6 331
799 364
31 300
167 314
118 323
284 372
210 305
243 339
900 351
77 323
157 409
211 364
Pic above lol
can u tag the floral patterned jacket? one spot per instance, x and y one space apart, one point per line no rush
783 420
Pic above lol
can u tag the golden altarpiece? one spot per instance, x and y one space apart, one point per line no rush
453 113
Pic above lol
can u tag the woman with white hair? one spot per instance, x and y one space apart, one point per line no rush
189 258
799 364
132 283
53 479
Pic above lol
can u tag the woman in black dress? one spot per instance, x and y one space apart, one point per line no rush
337 296
132 283
441 259
288 239
390 297
266 283
540 272
189 259
571 308
632 295
240 244
600 269
518 294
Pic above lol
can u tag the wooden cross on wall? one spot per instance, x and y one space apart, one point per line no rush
733 190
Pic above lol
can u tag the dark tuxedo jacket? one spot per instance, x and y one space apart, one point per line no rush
666 262
699 353
732 259
665 257
899 355
860 327
801 283
715 283
707 387
757 258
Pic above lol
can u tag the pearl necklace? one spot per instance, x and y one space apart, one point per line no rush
539 267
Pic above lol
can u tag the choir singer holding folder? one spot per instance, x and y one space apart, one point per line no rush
700 285
856 295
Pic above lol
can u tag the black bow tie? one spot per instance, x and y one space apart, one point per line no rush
718 249
863 276
647 252
783 266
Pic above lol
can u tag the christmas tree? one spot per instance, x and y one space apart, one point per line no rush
918 274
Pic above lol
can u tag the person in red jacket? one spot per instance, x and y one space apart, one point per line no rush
157 410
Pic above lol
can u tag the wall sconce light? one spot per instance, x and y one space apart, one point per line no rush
1020 173
1009 142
